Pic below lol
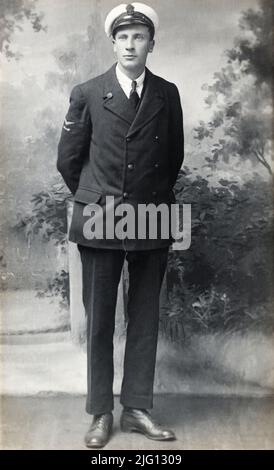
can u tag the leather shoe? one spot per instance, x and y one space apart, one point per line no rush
134 419
100 430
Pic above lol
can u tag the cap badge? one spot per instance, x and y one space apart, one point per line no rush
130 9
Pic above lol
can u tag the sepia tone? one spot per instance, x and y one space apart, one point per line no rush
215 349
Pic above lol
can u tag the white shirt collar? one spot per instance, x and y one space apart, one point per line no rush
126 82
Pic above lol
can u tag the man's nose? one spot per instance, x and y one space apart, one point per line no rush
130 44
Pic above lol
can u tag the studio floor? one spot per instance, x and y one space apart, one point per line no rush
60 422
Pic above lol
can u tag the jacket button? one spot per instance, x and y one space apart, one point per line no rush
125 195
156 137
156 165
128 139
130 166
154 193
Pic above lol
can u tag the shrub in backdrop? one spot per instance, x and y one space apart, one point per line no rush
224 282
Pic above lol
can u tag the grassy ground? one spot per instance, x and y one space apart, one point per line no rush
207 364
238 364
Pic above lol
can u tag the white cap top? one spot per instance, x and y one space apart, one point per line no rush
132 13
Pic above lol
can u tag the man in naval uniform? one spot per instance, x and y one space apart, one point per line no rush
122 137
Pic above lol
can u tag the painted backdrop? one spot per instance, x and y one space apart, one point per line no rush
217 314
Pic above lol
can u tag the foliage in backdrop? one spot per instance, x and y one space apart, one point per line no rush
225 280
13 14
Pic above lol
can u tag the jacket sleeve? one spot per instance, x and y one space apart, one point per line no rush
176 133
74 142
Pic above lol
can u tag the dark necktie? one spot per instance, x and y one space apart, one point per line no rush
133 96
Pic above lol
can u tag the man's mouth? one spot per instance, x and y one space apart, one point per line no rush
130 56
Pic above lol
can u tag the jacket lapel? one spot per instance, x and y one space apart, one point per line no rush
151 104
115 100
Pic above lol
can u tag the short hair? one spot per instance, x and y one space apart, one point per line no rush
119 28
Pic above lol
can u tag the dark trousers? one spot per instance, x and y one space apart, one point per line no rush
101 275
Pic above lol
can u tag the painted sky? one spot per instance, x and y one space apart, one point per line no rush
190 43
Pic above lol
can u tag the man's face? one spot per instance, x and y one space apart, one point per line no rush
131 45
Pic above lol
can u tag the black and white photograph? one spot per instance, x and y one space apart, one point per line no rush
136 228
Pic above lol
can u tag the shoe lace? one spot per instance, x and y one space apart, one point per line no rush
101 421
153 420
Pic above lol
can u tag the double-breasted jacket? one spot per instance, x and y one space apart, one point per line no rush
106 148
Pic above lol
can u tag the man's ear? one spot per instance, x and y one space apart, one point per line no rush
151 46
114 44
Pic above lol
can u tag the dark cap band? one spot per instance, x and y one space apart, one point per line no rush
132 18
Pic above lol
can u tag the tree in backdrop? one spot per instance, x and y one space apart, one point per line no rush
224 282
79 58
240 96
83 55
13 14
